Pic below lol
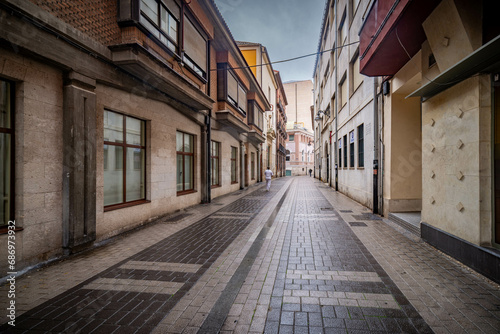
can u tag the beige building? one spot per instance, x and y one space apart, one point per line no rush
300 99
299 127
345 111
440 61
107 123
260 64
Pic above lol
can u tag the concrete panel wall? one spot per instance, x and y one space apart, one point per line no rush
39 157
162 123
226 142
456 160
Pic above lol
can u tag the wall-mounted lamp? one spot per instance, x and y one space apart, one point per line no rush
319 115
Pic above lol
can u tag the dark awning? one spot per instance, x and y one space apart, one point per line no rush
486 59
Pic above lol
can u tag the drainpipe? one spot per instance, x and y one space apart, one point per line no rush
336 108
207 197
375 146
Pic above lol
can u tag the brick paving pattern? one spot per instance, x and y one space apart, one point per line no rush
134 295
327 281
324 264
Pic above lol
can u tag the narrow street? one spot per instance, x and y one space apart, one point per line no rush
298 259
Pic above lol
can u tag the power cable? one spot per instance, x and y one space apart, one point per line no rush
290 59
430 80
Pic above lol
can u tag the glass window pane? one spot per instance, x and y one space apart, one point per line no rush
135 174
150 8
215 171
188 170
135 131
113 127
188 143
180 179
172 28
179 137
5 107
113 176
5 178
233 171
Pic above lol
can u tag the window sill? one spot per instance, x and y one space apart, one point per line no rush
215 186
125 205
5 229
361 168
236 182
186 192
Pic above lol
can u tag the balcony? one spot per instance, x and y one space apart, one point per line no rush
390 26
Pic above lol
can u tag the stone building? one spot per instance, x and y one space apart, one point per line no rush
344 105
299 127
440 63
280 127
115 113
258 60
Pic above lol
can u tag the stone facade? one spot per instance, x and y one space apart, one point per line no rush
66 76
344 108
440 103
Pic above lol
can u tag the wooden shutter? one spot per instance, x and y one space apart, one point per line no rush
232 87
242 99
195 45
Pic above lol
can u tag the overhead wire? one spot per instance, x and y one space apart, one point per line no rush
289 59
425 77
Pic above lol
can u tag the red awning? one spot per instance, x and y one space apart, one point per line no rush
381 53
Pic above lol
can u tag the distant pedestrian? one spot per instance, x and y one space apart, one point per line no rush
269 174
310 172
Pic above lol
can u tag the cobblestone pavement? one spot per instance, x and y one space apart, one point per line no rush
299 259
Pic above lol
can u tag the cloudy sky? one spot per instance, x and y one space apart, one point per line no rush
287 28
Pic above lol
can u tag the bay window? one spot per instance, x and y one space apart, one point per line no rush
230 89
163 19
255 115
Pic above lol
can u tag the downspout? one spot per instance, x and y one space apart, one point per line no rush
208 124
336 108
381 160
208 172
375 146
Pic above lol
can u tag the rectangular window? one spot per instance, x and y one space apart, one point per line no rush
351 149
255 115
125 159
361 146
252 165
291 137
355 4
340 153
6 152
343 92
345 150
234 165
161 21
357 78
195 48
230 89
185 162
342 31
215 163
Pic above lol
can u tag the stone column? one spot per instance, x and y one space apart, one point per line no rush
79 167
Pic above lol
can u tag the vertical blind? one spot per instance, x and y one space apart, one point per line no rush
195 45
